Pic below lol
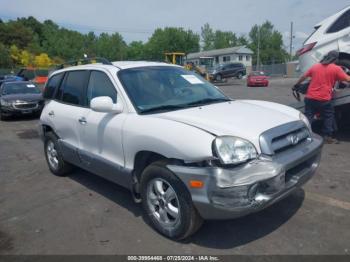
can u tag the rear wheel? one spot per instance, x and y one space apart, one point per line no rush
167 203
54 158
218 77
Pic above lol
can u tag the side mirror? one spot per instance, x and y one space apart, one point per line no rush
104 104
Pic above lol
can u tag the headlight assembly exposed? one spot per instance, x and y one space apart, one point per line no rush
234 150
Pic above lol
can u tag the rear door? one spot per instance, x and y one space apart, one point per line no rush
68 106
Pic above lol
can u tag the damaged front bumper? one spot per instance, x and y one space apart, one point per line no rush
234 192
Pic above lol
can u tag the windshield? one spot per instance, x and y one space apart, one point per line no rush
20 88
167 88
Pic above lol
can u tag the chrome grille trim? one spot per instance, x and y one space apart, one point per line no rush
283 137
25 105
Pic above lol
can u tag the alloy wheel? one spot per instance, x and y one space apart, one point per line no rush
163 202
52 154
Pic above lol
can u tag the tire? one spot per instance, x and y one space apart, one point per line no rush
2 117
345 64
175 217
218 77
53 156
239 76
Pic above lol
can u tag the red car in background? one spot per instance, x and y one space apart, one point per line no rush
257 78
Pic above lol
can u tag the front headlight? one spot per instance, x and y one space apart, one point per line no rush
5 103
234 150
303 118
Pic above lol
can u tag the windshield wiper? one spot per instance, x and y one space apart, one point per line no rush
208 101
162 108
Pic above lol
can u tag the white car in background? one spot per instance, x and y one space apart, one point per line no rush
333 33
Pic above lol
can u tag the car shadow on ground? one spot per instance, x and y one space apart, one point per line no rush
118 194
22 118
214 234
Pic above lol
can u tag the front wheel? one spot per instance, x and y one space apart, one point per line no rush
240 76
167 203
2 116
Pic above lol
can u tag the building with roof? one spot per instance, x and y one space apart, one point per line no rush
240 54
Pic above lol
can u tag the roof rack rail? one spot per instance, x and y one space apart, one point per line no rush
84 61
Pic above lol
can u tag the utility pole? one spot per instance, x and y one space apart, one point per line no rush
258 53
291 42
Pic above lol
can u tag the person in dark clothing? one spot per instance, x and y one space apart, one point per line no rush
318 98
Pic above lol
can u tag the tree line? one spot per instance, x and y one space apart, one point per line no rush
29 42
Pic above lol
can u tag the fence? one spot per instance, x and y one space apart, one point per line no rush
284 69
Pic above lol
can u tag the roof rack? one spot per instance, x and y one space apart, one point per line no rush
84 61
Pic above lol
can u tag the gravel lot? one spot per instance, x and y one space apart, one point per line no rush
85 214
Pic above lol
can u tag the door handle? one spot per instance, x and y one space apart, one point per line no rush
82 120
51 113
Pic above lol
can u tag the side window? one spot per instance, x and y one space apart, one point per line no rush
52 85
74 87
100 85
342 23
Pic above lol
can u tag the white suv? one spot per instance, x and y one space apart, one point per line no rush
333 33
177 142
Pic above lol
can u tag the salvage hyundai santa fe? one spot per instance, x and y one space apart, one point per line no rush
183 148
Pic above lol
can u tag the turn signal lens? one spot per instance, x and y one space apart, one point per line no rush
196 184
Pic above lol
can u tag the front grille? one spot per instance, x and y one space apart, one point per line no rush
26 105
283 137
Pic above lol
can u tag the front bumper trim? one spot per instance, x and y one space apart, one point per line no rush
230 193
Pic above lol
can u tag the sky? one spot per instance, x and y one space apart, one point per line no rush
136 20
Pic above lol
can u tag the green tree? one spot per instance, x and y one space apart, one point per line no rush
136 50
224 39
208 37
14 33
111 47
271 44
171 39
5 60
242 40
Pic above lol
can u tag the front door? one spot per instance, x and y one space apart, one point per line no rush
101 133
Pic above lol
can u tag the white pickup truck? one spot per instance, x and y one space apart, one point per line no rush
183 148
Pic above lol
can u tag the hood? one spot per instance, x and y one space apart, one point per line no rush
242 118
23 97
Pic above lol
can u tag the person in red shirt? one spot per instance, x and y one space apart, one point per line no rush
318 98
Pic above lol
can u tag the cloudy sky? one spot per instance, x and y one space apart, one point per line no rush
136 19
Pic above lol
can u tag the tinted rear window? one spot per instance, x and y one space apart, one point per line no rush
51 86
74 87
342 23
